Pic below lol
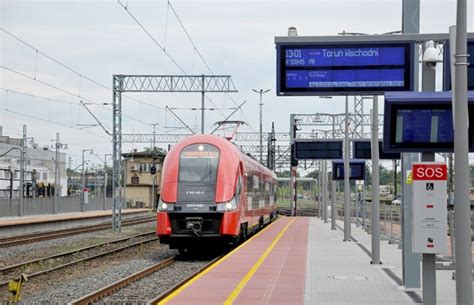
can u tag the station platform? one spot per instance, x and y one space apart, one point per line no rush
302 261
27 224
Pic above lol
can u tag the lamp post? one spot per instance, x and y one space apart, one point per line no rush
83 183
153 170
261 92
105 181
57 187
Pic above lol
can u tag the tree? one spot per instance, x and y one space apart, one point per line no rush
314 174
285 174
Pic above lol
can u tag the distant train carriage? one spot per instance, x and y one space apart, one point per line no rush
211 191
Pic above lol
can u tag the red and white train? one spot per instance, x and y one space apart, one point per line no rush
211 191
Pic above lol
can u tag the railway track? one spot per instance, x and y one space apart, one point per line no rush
40 236
162 296
13 271
112 289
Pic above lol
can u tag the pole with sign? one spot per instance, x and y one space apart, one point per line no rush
429 220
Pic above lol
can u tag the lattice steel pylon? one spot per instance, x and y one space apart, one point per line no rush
153 83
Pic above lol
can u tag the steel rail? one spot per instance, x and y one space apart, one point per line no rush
34 237
31 275
75 251
93 296
183 282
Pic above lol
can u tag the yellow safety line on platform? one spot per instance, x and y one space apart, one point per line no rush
255 267
180 289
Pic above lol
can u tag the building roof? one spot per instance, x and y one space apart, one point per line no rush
144 154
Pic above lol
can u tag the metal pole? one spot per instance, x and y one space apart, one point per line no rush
462 213
410 261
394 179
83 182
325 189
293 167
333 185
69 177
347 207
56 175
153 176
428 259
202 104
117 153
375 223
12 174
428 83
261 139
22 171
104 207
320 186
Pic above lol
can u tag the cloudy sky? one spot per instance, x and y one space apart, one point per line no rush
92 40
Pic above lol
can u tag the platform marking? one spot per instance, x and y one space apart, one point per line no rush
255 267
197 277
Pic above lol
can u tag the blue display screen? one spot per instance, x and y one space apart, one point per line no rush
424 126
340 57
422 122
377 78
370 68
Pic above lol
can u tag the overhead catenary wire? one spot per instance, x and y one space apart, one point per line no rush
52 122
162 48
196 50
39 97
72 70
66 91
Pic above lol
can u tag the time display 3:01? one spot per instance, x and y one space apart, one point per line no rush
364 67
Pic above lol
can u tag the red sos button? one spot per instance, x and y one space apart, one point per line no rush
430 171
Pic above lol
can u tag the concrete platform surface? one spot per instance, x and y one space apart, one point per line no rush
11 226
340 272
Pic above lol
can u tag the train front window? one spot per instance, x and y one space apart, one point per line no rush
199 163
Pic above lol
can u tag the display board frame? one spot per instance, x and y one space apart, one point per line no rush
395 101
284 90
338 166
329 156
357 151
447 67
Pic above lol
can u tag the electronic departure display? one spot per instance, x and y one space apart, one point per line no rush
363 150
344 68
357 169
421 122
447 67
318 149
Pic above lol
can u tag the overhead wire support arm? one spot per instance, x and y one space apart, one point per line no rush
179 119
95 118
178 83
230 115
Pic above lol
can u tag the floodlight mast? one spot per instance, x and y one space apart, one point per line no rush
261 92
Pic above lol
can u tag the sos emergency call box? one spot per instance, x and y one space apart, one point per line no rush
429 208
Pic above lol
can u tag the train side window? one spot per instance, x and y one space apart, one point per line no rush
249 184
256 183
238 189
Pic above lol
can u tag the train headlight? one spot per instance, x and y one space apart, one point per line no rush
165 207
227 206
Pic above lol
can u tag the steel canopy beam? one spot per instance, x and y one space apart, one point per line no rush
177 83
